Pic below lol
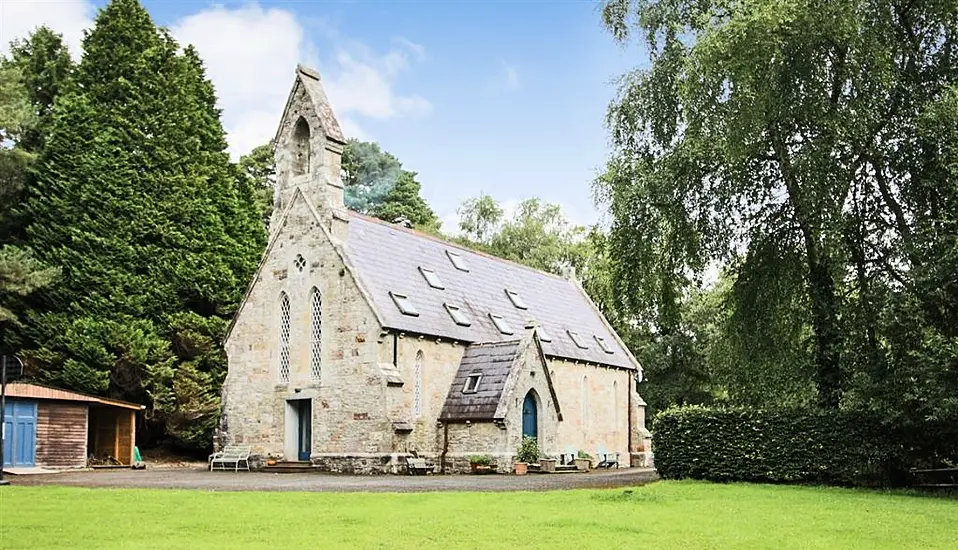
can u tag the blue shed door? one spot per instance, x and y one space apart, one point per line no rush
20 433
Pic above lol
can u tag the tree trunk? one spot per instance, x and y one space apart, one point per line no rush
828 372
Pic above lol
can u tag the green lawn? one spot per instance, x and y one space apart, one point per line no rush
660 515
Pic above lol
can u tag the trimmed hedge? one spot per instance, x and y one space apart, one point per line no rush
777 446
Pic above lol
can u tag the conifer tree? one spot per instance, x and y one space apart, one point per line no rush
136 201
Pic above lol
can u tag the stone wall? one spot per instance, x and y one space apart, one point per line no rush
347 400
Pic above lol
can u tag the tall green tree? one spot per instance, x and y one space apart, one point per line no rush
20 272
782 137
537 234
46 70
136 200
369 174
404 204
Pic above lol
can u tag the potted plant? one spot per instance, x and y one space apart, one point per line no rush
480 464
527 453
583 460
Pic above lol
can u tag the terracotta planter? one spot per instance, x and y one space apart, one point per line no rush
583 464
522 468
547 464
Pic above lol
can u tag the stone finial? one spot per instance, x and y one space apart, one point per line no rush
532 324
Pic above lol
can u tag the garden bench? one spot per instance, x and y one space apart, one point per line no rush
231 454
607 460
416 466
936 477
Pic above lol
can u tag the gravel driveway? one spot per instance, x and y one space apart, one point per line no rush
202 479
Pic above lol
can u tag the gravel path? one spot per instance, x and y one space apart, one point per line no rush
200 479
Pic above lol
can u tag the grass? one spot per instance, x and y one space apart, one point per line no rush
661 515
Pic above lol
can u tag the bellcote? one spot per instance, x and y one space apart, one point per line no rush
308 149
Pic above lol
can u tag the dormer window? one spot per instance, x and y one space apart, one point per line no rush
432 278
603 344
472 383
516 299
458 315
579 342
404 304
501 323
457 260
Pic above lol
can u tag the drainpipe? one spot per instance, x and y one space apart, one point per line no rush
628 415
445 448
395 349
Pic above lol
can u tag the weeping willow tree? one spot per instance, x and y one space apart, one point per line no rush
802 145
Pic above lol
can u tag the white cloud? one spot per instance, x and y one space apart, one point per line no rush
68 17
251 53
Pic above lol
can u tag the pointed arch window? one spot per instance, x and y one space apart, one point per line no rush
615 404
315 335
283 338
300 148
585 402
417 407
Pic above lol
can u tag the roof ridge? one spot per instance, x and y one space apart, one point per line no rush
417 233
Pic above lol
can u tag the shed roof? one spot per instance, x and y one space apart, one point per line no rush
28 390
389 260
493 361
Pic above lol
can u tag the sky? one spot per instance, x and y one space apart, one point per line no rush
487 96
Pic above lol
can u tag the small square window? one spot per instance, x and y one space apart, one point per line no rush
457 260
458 315
602 344
579 342
404 304
432 278
516 299
543 335
501 323
472 383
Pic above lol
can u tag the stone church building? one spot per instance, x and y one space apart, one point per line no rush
360 342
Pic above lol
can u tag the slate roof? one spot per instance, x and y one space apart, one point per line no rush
387 258
493 361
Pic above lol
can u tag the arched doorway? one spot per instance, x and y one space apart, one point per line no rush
530 415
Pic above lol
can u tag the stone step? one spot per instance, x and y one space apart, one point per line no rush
289 467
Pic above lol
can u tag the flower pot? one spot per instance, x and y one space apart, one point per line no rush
547 464
583 464
522 468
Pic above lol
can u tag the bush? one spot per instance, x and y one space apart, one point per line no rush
480 460
528 450
778 446
584 455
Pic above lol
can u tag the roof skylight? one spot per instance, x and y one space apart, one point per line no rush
432 278
404 304
516 299
472 383
458 315
543 335
579 342
457 260
501 323
602 344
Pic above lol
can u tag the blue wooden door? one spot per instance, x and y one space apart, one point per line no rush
305 428
20 432
530 416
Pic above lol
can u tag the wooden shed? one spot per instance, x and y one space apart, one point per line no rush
53 428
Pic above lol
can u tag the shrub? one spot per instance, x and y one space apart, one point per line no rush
480 460
528 450
583 455
778 446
